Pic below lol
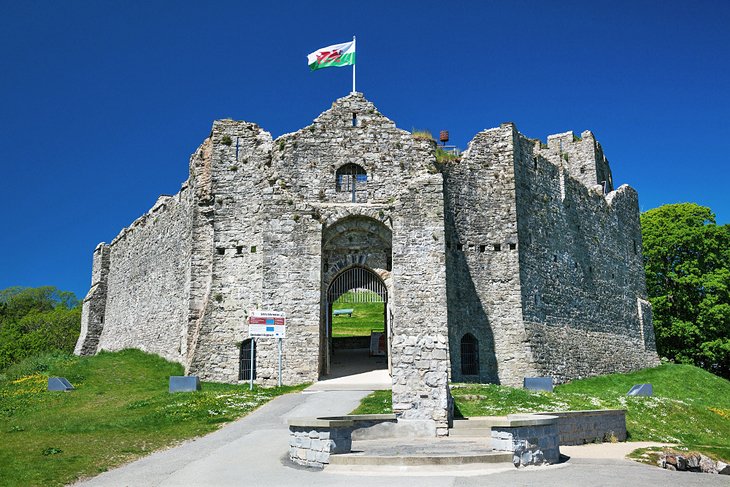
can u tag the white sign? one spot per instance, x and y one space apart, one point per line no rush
260 313
259 331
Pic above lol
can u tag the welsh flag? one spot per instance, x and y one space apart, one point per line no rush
335 55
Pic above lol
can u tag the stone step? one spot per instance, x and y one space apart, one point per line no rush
474 423
471 432
421 452
419 460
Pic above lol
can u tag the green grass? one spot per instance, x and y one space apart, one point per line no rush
690 406
378 402
120 410
366 317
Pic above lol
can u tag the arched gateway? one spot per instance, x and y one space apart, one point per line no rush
356 261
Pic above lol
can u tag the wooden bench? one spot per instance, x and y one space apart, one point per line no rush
339 312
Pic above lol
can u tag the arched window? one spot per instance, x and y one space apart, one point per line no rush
244 368
469 355
349 178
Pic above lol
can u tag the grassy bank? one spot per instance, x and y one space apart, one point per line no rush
690 406
120 410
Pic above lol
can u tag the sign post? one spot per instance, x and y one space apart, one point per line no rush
250 371
262 324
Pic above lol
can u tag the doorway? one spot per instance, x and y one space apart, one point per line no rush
357 324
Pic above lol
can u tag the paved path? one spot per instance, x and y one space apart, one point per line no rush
253 452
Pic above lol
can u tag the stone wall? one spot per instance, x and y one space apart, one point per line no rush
581 427
94 305
581 270
148 281
483 259
231 233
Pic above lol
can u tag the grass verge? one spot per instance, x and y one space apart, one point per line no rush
366 317
690 406
120 411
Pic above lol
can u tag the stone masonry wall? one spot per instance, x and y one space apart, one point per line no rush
148 281
581 271
94 305
230 229
483 260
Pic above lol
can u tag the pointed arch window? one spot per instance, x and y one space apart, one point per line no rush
469 355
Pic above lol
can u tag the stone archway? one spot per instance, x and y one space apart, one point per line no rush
356 256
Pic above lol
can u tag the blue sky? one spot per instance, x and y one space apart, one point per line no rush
102 102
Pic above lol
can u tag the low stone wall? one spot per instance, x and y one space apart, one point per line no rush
313 440
533 439
591 426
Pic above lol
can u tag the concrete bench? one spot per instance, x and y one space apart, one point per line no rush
339 312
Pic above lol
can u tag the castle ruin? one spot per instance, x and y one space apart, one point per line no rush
520 259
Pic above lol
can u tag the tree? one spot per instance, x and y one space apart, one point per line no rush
37 320
687 262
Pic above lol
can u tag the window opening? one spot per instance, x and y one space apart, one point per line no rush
354 119
349 177
482 248
239 249
497 247
512 246
469 355
221 250
459 246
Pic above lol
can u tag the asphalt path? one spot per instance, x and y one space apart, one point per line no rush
253 451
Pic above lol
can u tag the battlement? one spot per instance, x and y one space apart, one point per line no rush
582 157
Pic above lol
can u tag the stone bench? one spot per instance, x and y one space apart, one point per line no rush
313 440
533 438
339 312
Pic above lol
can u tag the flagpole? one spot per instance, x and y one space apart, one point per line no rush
353 65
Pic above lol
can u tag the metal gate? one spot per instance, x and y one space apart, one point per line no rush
366 287
354 285
244 366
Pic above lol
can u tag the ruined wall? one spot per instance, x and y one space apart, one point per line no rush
94 305
483 259
148 281
581 157
232 237
581 269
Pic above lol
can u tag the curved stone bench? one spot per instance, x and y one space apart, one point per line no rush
313 440
533 438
